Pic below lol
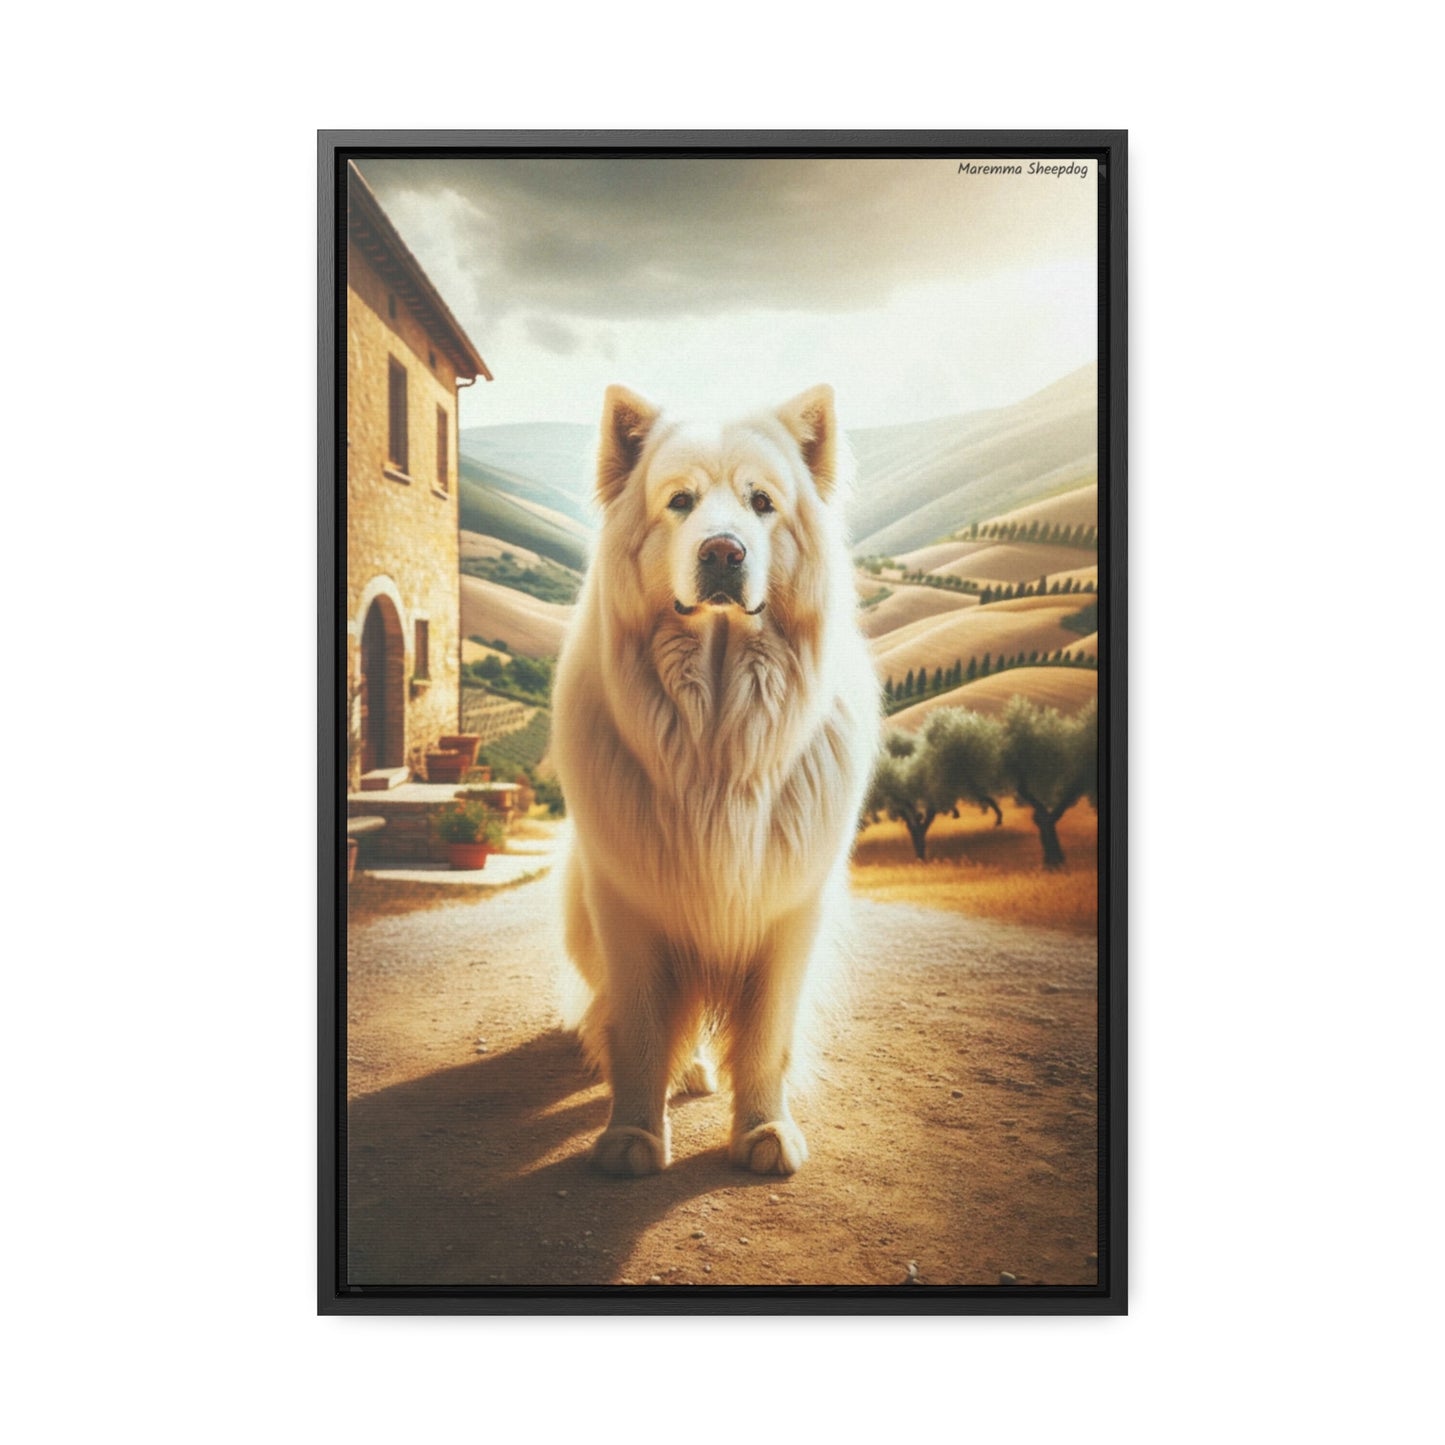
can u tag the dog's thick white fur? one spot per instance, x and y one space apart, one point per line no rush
716 720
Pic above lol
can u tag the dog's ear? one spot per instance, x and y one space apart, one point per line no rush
810 419
626 421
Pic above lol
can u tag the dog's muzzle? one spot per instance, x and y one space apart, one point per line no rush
721 575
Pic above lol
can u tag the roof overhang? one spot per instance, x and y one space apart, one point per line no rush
379 241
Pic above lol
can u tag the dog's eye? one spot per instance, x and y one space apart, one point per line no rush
680 502
762 503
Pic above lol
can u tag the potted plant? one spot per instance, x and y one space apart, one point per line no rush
471 832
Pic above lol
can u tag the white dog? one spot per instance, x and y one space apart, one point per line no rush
716 720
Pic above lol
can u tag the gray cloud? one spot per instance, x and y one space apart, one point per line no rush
635 238
552 335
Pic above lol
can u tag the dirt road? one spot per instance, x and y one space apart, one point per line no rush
954 1130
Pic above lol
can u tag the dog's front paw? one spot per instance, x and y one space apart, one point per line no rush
630 1152
776 1148
699 1077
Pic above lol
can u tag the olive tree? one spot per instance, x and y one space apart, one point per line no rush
1049 763
963 754
956 759
900 787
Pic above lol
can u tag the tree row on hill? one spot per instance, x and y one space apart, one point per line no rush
916 686
1047 762
1059 587
1001 591
1083 535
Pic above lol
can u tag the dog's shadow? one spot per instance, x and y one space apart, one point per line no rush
444 1183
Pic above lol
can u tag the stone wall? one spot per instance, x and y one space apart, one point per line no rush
410 835
401 527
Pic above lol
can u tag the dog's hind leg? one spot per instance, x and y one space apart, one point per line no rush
698 1074
761 1045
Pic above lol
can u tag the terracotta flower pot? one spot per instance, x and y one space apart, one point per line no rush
445 767
464 743
468 855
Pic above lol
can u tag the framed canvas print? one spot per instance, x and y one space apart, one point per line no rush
722 688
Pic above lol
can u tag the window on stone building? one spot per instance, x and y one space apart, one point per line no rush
396 414
423 649
443 447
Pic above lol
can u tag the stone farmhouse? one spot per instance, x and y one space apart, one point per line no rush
406 358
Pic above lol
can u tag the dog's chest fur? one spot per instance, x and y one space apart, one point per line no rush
741 778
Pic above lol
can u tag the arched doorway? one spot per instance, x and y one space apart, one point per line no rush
383 676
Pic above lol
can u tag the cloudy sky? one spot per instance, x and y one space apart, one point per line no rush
715 285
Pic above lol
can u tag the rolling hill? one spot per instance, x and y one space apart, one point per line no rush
923 481
938 641
917 482
939 554
527 488
488 510
551 462
526 624
475 544
1074 508
1066 688
1016 562
911 604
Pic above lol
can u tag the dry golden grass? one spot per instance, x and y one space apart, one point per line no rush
976 868
908 605
940 554
1017 562
527 624
937 641
1046 602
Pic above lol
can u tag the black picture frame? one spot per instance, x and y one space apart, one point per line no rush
335 1296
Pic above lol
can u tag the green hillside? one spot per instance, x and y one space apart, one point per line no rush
550 463
484 509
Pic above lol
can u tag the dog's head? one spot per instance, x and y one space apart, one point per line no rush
730 518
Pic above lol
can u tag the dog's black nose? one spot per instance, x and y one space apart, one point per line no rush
721 551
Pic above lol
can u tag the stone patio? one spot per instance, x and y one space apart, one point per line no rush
524 858
411 810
